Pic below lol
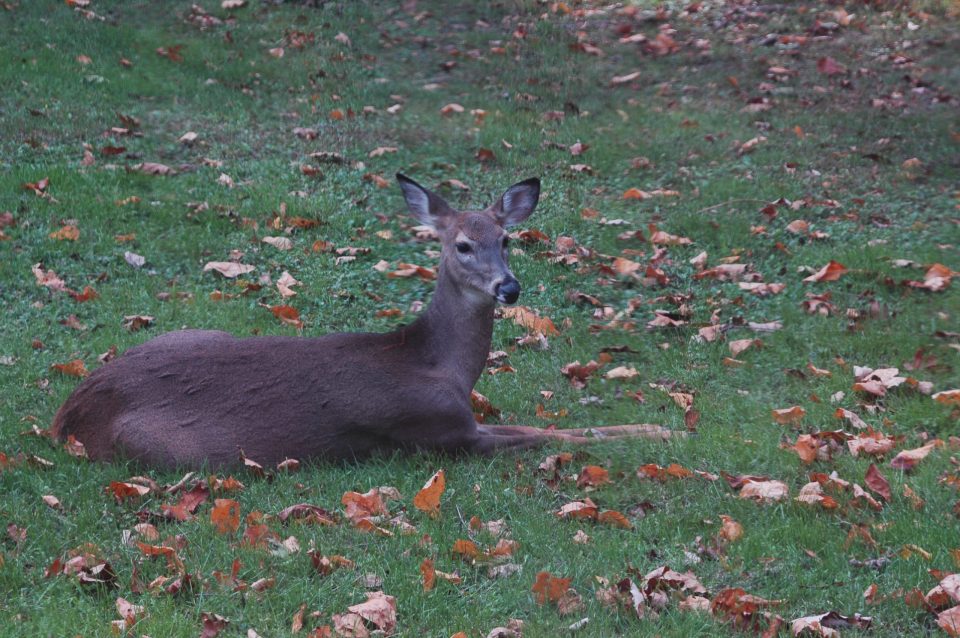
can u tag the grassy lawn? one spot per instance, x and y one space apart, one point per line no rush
774 139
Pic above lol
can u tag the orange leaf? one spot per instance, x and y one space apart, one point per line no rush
549 587
362 506
465 549
523 316
788 416
429 574
636 193
288 315
428 499
614 518
831 272
123 491
592 476
67 233
225 515
74 368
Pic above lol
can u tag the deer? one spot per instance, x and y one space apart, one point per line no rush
203 398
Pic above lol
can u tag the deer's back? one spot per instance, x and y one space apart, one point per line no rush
196 396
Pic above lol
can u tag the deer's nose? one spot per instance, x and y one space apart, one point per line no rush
508 291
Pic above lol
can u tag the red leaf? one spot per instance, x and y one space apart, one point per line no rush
876 482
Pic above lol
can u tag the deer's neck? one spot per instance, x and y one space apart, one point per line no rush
454 332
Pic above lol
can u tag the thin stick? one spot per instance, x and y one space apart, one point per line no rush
731 201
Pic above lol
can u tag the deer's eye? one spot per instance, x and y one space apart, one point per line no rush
463 247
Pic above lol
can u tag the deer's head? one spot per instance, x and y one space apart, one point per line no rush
475 243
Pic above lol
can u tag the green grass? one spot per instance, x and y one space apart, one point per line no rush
685 112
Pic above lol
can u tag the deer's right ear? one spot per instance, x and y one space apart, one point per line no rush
428 207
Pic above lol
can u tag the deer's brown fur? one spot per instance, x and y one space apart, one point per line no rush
197 397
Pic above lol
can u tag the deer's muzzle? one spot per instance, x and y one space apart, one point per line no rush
508 291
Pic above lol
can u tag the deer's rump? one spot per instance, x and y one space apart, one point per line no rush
195 397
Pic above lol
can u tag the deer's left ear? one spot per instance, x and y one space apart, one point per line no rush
517 203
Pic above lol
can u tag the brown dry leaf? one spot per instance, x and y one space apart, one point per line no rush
662 319
285 284
75 447
765 491
225 515
228 269
451 108
947 397
280 243
67 233
949 621
636 193
75 368
349 626
548 587
831 272
876 482
788 416
907 459
529 319
428 573
666 239
48 278
153 168
188 504
122 491
592 476
363 506
730 530
428 498
827 625
287 315
212 625
762 289
134 323
806 448
851 417
625 267
872 443
379 609
654 471
622 372
615 519
307 513
578 509
812 494
578 373
739 345
327 565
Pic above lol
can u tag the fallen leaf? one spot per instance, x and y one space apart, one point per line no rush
907 459
225 515
592 476
876 482
428 498
229 269
548 587
827 625
764 491
75 368
831 272
529 319
788 416
379 609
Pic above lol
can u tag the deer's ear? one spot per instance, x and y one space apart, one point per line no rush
428 207
517 203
